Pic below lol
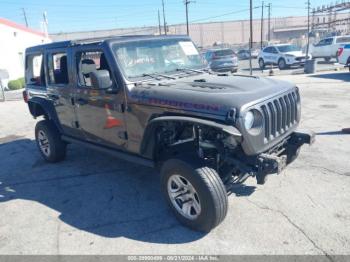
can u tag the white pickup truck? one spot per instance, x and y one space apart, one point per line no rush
344 55
328 47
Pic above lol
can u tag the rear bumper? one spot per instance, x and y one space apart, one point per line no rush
224 68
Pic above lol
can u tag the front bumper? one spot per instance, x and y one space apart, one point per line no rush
272 161
277 159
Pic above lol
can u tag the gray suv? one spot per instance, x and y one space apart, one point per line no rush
151 100
222 60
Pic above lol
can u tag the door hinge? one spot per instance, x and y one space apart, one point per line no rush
76 123
72 101
123 135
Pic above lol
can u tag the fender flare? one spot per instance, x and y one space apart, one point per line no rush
148 141
36 103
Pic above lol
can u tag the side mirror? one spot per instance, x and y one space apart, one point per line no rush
101 79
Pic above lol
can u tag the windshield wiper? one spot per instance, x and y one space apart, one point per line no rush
157 76
189 71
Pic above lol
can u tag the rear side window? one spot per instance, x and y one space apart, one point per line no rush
35 73
345 39
58 68
225 52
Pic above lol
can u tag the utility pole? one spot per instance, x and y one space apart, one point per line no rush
308 28
262 25
159 25
187 2
269 22
46 24
25 16
251 38
165 31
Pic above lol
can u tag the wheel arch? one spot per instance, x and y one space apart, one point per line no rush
148 144
41 107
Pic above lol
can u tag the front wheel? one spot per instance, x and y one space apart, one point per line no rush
282 64
195 193
49 142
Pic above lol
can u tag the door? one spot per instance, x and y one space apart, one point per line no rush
269 55
60 89
100 112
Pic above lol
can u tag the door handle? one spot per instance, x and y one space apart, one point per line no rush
81 101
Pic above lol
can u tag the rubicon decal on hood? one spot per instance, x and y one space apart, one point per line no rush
177 104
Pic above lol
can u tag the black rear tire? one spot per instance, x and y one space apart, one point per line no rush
208 186
56 147
261 64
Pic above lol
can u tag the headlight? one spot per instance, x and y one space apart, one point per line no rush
290 56
249 120
253 122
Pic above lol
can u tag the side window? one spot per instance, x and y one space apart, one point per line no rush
35 74
88 62
321 43
58 68
274 50
329 41
267 50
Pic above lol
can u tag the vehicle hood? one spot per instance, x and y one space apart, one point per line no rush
209 94
296 53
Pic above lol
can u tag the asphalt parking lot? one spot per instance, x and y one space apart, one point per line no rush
95 204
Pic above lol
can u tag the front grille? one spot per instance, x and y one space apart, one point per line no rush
280 114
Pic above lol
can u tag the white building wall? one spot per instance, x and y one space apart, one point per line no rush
13 42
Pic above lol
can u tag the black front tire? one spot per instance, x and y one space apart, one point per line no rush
209 188
282 64
56 147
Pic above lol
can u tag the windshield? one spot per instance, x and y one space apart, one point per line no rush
288 48
142 58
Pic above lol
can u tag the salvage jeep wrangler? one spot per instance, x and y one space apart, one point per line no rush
152 100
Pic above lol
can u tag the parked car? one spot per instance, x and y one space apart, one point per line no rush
244 54
344 55
131 97
283 55
328 47
222 60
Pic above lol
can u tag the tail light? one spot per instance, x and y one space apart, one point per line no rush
340 51
25 96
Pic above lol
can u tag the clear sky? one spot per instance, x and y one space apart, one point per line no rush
81 15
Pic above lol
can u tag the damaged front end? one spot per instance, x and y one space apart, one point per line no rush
273 161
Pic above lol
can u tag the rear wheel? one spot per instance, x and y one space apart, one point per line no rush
261 64
195 193
49 142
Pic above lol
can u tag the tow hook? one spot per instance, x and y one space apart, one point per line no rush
270 164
